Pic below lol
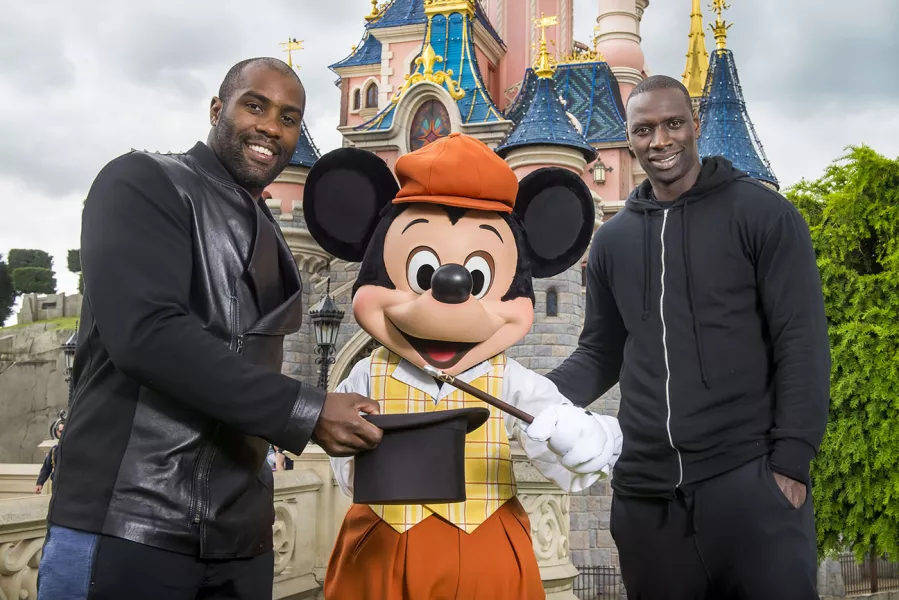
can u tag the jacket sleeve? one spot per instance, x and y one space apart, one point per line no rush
790 290
46 469
357 381
138 267
595 365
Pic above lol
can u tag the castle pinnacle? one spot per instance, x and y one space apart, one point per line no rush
697 68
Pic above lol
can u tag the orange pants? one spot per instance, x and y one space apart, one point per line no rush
434 560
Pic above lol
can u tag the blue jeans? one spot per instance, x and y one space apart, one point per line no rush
66 564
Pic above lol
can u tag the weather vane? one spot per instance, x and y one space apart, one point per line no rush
289 46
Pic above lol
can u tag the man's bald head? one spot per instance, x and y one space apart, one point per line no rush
232 80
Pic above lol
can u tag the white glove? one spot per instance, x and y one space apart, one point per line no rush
587 442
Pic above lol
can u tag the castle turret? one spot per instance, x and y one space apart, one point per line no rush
545 134
725 126
619 40
697 67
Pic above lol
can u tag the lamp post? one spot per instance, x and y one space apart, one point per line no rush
68 350
326 318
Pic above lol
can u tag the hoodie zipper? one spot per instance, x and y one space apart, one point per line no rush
680 463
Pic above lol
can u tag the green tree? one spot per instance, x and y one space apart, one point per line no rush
7 292
32 280
853 213
74 263
37 276
19 259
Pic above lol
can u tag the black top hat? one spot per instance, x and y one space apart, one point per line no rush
420 460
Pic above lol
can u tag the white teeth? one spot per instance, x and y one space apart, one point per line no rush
261 150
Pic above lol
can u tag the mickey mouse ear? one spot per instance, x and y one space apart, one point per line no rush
556 208
342 200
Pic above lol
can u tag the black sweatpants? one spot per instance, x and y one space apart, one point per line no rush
126 570
732 537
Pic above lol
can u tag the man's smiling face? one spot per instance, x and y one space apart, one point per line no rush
662 133
257 128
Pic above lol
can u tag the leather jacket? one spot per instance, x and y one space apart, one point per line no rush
190 289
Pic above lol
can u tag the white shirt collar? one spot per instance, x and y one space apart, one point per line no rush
412 376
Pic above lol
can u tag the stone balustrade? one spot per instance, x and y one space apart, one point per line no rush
309 508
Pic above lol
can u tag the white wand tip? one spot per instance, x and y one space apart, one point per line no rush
433 372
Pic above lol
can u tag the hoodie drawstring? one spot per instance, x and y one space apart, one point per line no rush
687 265
646 264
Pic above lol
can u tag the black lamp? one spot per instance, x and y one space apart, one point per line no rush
68 350
326 318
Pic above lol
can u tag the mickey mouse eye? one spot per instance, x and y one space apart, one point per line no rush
481 270
420 268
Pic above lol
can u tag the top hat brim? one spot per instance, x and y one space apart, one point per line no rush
475 417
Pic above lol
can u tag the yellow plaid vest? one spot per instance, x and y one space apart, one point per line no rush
489 481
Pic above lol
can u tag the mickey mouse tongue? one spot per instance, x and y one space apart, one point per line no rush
440 354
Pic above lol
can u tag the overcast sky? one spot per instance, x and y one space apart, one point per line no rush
86 81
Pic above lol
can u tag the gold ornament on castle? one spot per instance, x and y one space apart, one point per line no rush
448 7
545 64
720 26
427 60
289 46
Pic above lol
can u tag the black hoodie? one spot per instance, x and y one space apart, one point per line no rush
709 312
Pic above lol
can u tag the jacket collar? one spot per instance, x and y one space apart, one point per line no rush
406 372
204 155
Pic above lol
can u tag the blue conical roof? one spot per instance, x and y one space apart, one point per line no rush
545 122
591 94
725 127
306 153
368 53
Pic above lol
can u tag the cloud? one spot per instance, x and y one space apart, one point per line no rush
84 82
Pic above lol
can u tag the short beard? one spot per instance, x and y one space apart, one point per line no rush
228 145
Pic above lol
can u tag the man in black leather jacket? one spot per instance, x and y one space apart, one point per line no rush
163 490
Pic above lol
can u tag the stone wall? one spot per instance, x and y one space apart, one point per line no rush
32 389
44 308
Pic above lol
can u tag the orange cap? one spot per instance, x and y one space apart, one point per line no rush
460 171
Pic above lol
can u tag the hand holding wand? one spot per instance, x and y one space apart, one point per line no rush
470 389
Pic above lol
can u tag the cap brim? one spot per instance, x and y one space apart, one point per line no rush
458 202
475 418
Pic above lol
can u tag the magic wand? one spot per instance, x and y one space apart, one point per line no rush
470 389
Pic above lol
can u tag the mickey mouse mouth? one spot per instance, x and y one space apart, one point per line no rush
442 355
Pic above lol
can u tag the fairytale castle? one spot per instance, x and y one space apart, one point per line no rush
509 73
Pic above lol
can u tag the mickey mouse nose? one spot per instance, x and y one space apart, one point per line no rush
451 284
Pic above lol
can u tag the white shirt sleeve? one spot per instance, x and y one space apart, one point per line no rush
532 393
357 381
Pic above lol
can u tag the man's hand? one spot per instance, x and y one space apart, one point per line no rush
341 431
795 491
38 488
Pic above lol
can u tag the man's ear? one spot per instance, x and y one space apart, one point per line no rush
342 200
556 209
215 111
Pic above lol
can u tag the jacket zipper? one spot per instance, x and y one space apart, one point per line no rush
680 462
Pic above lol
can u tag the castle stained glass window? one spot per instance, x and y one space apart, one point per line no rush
430 123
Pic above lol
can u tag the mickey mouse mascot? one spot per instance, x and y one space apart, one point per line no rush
447 262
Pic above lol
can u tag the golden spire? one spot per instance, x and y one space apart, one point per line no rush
289 46
697 56
544 66
720 26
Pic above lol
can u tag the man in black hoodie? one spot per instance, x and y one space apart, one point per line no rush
704 301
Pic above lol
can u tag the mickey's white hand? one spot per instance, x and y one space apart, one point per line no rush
587 442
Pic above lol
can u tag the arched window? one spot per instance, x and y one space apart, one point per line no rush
357 99
430 123
583 274
371 96
552 302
